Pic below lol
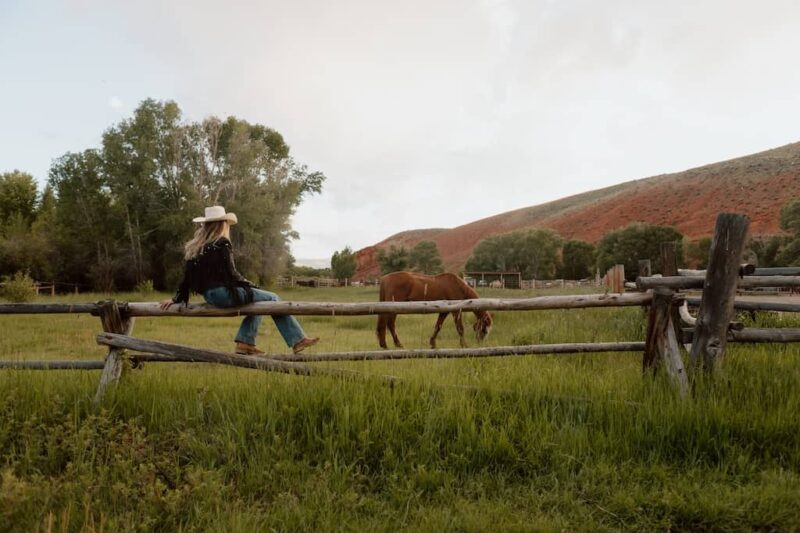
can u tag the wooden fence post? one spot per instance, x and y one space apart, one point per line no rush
615 279
661 345
669 267
669 260
113 322
719 290
644 268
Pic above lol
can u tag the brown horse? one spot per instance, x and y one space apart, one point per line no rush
412 287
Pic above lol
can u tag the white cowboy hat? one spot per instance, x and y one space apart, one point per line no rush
215 213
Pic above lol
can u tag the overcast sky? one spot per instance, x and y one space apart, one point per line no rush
422 113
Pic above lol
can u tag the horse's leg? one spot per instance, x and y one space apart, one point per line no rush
437 328
459 327
380 331
393 330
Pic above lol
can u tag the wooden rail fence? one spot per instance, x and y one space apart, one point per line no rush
711 330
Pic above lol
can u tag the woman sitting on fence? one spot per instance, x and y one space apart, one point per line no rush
210 271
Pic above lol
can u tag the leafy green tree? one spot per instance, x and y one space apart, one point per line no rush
25 243
764 251
46 207
311 272
424 257
343 263
789 254
140 163
393 260
247 168
790 217
534 253
577 260
16 252
789 251
696 252
634 242
27 248
17 197
87 224
125 210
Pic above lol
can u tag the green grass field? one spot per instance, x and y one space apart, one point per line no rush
580 442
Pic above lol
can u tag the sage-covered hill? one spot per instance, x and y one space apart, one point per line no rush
757 185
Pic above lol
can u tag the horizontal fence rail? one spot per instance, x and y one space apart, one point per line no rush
186 354
152 309
44 309
452 353
696 282
53 365
751 271
83 364
753 305
754 335
198 355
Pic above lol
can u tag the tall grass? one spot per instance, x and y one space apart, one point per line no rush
513 443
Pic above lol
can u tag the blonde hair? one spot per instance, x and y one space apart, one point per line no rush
207 232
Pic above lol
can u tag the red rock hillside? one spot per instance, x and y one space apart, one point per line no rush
757 185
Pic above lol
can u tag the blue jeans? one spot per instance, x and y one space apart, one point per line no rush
288 326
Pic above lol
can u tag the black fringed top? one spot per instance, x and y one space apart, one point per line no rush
214 267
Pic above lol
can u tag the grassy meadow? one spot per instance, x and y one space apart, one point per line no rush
576 442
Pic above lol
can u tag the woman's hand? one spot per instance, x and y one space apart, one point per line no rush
165 304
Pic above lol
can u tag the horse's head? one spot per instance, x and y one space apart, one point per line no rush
483 325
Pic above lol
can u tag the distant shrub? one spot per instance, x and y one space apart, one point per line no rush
145 287
18 288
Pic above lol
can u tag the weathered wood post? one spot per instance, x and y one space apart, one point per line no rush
113 322
661 345
615 279
669 260
644 268
719 290
669 267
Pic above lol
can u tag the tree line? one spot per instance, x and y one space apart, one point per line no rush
116 216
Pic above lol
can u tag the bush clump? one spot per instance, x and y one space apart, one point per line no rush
145 287
18 288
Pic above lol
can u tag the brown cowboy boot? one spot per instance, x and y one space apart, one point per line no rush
303 344
247 349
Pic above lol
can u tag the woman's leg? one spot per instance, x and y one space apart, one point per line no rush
288 326
221 297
